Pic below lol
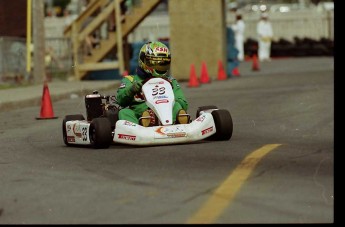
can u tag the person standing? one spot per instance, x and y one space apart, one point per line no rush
265 35
239 28
69 18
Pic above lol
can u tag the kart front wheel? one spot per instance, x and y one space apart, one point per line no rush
112 116
224 126
100 133
202 108
73 117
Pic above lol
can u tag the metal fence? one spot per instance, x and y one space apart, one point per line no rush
61 63
13 59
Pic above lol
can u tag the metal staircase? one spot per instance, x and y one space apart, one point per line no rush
115 39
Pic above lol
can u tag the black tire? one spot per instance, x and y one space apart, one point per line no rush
100 133
79 117
224 125
112 116
201 108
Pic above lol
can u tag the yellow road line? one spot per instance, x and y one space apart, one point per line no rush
223 195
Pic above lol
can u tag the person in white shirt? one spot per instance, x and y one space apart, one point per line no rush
265 35
69 18
239 28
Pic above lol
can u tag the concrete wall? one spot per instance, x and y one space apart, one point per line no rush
197 34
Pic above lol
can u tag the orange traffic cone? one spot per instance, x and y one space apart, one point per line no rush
204 78
193 80
221 71
255 66
46 105
235 72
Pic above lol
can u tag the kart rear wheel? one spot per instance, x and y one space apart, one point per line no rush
202 108
224 126
73 117
100 133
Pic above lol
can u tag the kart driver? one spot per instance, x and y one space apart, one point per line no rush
154 61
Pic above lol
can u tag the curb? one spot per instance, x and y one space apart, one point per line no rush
55 96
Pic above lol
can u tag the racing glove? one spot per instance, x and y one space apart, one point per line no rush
136 88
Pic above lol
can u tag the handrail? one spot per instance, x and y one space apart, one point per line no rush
94 5
96 22
78 32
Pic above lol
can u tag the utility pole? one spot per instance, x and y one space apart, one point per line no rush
39 41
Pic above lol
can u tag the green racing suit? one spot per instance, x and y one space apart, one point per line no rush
136 104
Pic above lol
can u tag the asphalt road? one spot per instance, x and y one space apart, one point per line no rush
278 166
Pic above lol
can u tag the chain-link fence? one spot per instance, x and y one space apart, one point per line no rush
59 58
13 59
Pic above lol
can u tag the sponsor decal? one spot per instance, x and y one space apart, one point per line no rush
161 49
126 137
160 97
208 130
80 132
154 58
201 118
177 134
128 123
159 131
162 101
70 139
165 132
159 82
122 85
76 130
68 128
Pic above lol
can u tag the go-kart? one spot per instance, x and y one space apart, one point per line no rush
103 127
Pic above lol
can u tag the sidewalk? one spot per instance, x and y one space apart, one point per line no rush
288 65
32 95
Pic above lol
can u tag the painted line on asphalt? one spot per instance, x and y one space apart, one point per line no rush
223 195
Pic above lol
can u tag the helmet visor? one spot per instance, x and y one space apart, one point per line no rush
161 64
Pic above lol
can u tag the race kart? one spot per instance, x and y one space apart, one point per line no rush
102 126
